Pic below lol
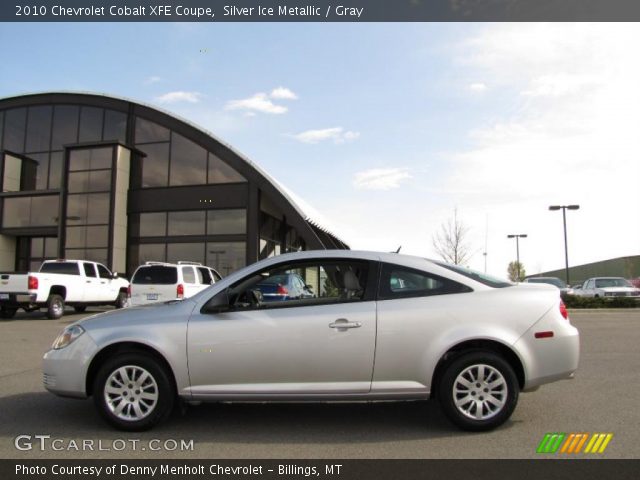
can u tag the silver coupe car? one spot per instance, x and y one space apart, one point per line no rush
375 326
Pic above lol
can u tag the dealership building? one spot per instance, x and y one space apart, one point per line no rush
101 178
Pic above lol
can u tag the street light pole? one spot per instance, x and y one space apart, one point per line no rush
517 237
564 226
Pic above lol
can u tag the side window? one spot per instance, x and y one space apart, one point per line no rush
402 282
330 281
199 277
216 276
89 270
103 271
205 275
188 275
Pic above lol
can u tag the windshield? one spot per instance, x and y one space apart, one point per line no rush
612 282
477 276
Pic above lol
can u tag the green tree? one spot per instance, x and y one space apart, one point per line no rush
516 271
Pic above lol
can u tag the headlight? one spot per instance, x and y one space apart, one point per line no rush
67 336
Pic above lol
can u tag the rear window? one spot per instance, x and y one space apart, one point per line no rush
63 268
477 276
155 275
551 281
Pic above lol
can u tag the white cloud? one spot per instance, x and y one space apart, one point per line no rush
380 178
179 96
337 134
477 87
259 102
282 93
566 134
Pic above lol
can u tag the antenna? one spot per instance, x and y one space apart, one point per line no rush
398 250
486 241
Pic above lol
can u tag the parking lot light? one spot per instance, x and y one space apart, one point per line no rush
564 223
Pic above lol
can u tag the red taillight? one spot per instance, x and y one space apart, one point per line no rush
129 291
32 283
282 290
180 291
563 310
547 334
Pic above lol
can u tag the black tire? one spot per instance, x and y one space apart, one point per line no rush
467 415
8 312
55 306
121 300
80 308
151 414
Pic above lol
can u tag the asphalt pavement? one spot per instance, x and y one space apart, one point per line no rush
603 398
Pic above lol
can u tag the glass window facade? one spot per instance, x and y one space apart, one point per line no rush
39 129
209 224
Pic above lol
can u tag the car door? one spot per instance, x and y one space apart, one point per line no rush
108 287
298 347
91 289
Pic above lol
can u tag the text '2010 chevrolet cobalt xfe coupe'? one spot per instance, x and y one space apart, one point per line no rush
370 326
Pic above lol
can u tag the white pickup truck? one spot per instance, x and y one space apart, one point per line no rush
76 283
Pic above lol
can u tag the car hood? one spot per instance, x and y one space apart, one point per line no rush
147 314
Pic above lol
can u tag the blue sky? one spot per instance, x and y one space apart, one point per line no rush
387 128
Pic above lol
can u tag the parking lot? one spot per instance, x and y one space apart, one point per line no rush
602 398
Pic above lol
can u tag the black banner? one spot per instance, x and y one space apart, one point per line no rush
543 469
317 10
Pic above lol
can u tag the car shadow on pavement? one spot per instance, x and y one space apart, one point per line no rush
42 413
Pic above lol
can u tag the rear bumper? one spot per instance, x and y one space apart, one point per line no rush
17 299
547 360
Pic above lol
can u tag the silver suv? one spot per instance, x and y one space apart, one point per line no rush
161 282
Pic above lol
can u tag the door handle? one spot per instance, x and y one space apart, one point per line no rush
343 323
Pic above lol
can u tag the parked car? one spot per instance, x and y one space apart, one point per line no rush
77 283
555 281
288 286
160 281
381 327
608 287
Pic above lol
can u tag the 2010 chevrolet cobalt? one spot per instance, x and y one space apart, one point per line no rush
371 326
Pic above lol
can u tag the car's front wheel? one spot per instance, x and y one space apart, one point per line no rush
133 392
478 391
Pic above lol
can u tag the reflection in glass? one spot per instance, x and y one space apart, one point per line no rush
226 222
38 129
149 132
188 162
92 181
187 252
221 172
65 126
153 224
186 223
151 252
90 124
115 125
226 257
88 208
91 254
55 169
90 158
40 211
41 166
14 128
155 166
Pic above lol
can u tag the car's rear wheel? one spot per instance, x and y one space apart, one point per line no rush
478 391
55 306
133 392
121 300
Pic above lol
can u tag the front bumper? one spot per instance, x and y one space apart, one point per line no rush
64 371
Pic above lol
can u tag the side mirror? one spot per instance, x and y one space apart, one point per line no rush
309 287
219 303
115 275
